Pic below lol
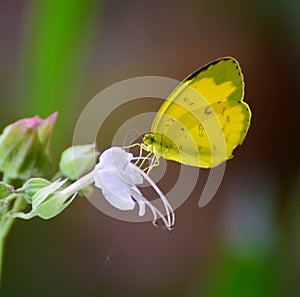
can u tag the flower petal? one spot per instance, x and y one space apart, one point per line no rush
115 191
118 159
122 201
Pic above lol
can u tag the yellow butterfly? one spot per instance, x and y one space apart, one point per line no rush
204 119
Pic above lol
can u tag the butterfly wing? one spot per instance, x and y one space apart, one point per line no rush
205 116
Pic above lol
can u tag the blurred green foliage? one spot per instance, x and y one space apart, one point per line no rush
243 274
55 55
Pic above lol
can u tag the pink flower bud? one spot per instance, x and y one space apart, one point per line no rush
24 147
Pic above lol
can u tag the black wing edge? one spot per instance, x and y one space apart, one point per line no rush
194 74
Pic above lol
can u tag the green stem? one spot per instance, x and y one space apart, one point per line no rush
18 205
6 224
1 256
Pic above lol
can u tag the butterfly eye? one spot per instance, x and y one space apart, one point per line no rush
148 138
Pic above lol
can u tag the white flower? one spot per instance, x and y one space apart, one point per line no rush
117 177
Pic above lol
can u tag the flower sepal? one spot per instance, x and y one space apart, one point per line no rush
5 190
32 186
47 202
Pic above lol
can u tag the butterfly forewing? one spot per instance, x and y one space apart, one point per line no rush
205 115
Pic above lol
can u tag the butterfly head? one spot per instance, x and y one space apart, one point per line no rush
159 144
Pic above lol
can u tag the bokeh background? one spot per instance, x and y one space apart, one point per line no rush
57 55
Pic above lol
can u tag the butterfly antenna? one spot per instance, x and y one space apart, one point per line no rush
127 141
